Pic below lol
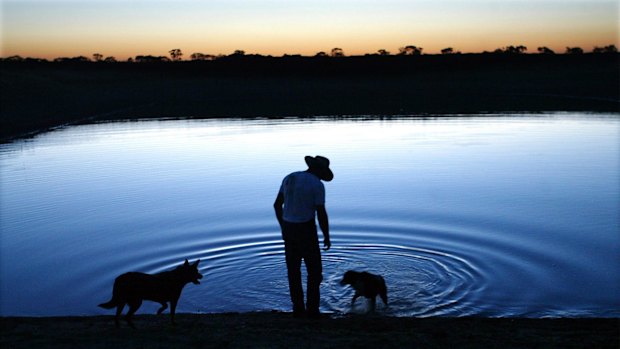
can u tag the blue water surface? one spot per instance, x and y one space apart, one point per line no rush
495 215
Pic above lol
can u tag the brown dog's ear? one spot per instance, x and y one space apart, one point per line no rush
196 263
186 262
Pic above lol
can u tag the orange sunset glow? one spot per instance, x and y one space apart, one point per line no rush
49 29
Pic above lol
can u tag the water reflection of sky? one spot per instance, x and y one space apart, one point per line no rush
460 214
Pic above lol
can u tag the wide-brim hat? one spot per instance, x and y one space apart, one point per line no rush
320 166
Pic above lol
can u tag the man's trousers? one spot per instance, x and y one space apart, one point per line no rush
301 242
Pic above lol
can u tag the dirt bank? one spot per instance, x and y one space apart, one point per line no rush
280 330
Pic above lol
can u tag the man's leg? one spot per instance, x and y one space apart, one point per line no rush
315 276
293 266
312 259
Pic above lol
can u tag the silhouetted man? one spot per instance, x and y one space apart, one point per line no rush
301 195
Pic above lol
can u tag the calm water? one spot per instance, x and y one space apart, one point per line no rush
506 215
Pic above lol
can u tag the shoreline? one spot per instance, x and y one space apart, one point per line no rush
116 116
41 96
278 329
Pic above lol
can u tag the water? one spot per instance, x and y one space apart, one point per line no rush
506 215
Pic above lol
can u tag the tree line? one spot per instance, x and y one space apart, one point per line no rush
409 50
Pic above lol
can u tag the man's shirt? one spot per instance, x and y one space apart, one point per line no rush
302 192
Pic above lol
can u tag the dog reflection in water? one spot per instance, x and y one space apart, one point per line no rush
132 288
367 285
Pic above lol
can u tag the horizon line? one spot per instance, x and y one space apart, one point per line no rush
409 50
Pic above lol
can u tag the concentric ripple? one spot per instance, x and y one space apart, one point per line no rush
421 282
247 272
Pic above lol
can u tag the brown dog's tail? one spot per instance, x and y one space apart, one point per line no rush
109 305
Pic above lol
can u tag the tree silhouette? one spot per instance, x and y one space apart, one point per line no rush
545 50
574 50
337 52
606 49
201 57
15 58
410 50
72 59
176 54
512 50
149 58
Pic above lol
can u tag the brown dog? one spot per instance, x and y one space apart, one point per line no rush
367 285
132 288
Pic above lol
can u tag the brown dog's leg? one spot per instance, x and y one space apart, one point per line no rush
173 308
164 306
119 310
133 307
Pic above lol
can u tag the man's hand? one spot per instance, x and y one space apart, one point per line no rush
326 244
321 214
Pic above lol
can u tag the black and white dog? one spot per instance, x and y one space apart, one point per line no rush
367 285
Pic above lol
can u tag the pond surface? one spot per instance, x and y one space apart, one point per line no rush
502 215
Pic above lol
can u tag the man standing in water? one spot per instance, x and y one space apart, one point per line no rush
301 195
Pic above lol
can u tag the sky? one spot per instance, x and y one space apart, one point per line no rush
126 28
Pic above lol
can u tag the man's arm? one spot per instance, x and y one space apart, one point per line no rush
277 206
321 214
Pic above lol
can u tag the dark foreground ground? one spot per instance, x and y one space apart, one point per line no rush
280 330
37 96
